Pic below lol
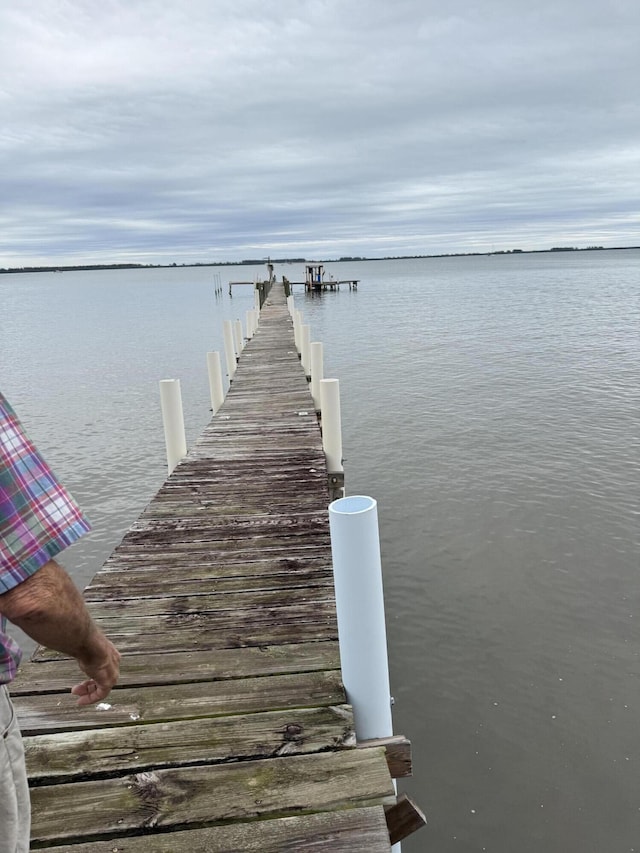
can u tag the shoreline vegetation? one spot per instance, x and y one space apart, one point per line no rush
345 259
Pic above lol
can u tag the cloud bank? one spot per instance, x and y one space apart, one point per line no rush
158 132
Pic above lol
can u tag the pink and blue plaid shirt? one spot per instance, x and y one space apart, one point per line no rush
38 518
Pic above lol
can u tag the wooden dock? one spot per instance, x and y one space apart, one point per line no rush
229 729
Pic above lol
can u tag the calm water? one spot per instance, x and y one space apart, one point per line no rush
490 405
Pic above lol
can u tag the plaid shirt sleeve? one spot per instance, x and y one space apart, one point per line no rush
38 517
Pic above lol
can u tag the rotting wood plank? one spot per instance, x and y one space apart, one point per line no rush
227 552
122 569
222 491
217 542
187 796
138 587
239 618
182 604
159 667
279 522
189 507
208 633
223 529
196 497
133 749
403 819
40 714
359 830
223 564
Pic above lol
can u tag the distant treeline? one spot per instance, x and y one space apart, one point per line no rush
345 259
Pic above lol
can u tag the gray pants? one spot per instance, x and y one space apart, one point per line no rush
15 807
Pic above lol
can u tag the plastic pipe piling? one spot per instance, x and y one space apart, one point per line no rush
173 421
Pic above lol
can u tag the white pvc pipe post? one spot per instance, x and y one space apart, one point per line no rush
297 323
256 300
173 421
237 334
317 371
331 424
254 321
305 348
290 304
249 324
216 389
229 348
357 574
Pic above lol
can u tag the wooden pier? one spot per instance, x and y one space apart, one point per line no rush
229 729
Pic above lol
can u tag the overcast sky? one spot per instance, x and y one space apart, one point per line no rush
162 131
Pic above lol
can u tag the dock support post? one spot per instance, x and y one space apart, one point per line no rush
290 305
173 421
215 380
229 348
355 548
305 349
237 333
332 434
317 372
297 323
252 322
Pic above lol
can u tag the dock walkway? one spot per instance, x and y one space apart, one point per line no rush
229 729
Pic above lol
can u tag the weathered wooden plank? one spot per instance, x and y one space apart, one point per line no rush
40 714
216 620
221 542
201 491
270 436
247 468
266 523
221 536
178 554
223 564
224 527
206 633
403 819
276 429
64 756
119 589
239 499
196 795
194 467
185 503
53 674
184 604
359 830
267 456
398 751
251 401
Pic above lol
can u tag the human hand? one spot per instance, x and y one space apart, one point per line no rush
102 666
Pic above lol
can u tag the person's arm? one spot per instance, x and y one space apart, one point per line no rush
49 608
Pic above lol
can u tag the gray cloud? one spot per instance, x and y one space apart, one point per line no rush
156 132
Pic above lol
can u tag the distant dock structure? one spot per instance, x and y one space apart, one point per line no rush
261 287
315 280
